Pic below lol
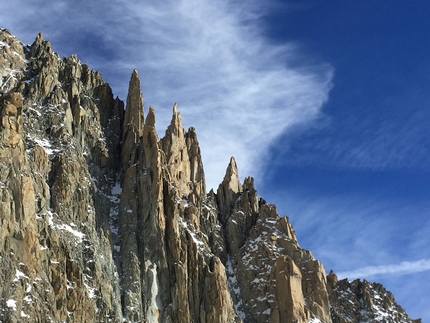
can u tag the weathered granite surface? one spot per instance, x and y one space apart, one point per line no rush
102 221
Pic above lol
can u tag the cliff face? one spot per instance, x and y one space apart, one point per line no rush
102 221
363 301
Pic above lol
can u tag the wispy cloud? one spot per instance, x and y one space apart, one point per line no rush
393 136
238 89
356 231
358 235
403 268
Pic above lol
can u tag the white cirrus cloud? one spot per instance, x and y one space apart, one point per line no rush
350 230
403 268
239 90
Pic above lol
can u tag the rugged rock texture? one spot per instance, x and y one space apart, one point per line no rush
363 301
272 278
102 221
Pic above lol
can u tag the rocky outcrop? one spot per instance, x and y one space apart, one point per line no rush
363 301
272 279
57 150
162 249
102 221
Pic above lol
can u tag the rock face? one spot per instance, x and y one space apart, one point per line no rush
363 301
102 221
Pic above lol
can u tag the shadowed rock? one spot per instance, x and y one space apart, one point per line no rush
101 221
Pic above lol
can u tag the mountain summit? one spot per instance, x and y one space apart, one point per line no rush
102 221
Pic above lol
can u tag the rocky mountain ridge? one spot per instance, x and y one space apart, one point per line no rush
102 221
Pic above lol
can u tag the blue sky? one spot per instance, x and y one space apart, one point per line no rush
356 182
324 103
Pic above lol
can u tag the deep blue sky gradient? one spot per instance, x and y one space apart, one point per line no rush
379 107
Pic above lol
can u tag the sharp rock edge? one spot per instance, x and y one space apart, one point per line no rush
102 221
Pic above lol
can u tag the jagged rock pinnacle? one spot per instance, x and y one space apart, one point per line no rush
229 189
150 118
100 221
231 177
134 118
177 157
332 279
39 37
197 174
175 126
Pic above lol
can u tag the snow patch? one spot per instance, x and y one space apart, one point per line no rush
11 304
27 299
19 275
186 202
3 44
266 312
91 291
34 110
154 306
68 228
192 233
234 288
116 190
45 144
65 227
